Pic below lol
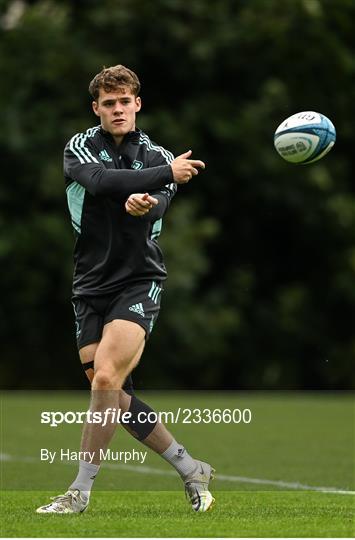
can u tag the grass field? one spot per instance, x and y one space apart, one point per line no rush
289 473
156 514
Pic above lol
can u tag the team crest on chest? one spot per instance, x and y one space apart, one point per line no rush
136 165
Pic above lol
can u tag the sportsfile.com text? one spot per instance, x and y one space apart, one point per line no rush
117 416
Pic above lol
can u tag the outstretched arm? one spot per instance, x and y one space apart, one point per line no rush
82 164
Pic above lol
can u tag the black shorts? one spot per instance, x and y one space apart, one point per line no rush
139 303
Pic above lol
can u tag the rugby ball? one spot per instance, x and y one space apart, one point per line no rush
304 137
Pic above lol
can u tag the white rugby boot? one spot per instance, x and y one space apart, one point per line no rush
196 487
70 503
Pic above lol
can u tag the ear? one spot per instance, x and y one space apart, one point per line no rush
138 104
95 108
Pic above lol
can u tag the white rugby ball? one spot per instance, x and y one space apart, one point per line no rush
304 137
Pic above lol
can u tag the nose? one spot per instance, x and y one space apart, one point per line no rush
117 108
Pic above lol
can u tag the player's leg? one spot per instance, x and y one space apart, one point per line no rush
122 342
195 474
115 356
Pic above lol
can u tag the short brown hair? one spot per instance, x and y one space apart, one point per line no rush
112 78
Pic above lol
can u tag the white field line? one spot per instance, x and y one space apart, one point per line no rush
142 469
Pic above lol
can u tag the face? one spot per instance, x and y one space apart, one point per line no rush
117 111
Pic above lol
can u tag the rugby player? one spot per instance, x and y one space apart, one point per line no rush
119 185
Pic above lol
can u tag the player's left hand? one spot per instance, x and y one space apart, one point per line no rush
139 204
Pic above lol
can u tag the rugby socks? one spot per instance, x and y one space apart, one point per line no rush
85 479
179 458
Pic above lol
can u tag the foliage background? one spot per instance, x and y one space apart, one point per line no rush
260 253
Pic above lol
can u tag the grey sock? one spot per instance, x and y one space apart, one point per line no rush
85 479
179 458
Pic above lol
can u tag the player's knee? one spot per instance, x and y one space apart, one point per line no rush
104 379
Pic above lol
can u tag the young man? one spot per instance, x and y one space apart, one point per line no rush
119 185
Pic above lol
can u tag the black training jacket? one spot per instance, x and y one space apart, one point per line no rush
112 247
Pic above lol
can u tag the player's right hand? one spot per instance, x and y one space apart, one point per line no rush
139 204
184 168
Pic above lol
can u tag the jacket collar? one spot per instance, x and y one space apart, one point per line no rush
130 137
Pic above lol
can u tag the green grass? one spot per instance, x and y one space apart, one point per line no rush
166 514
306 438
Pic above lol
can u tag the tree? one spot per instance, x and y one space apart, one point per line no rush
260 253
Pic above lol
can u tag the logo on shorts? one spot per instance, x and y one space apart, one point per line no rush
137 308
77 326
